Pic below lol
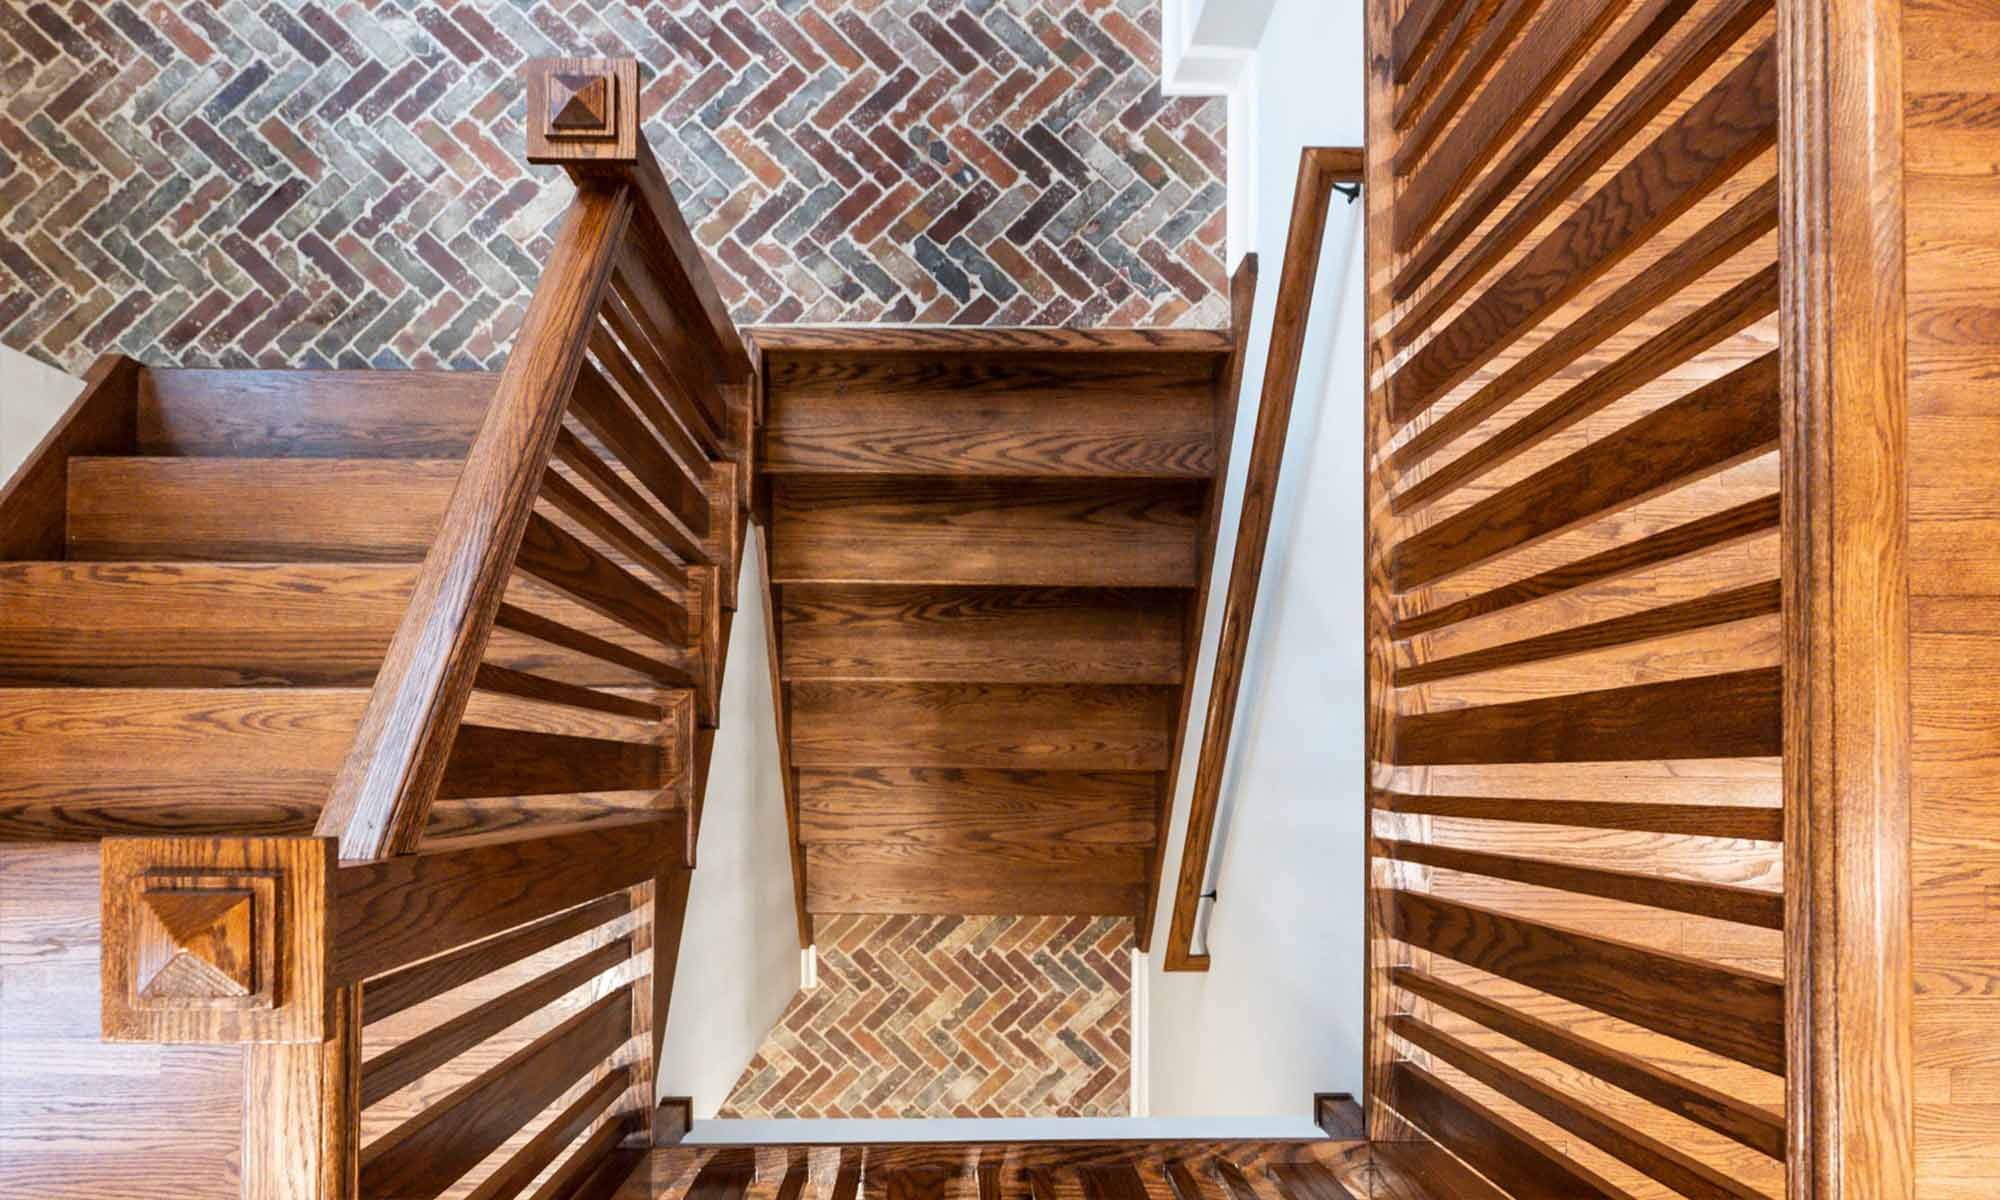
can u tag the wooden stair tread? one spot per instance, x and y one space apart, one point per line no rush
312 414
1098 415
1101 533
993 635
948 807
257 509
1097 727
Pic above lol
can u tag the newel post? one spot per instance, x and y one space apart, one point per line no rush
223 941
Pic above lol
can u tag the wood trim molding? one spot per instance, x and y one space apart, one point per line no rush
1850 1069
1320 167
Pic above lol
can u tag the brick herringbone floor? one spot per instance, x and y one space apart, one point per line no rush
928 1016
309 182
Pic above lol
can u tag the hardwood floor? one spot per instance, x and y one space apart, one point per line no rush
986 563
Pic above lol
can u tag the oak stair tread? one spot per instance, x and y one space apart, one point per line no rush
312 413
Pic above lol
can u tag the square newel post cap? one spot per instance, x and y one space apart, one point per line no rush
583 111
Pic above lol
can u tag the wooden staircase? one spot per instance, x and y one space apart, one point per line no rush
194 652
988 555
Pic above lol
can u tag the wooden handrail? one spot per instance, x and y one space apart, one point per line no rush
1320 168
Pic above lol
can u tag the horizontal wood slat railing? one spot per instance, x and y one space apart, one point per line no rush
1320 169
479 1013
1577 708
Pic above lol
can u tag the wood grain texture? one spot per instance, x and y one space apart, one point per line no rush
995 635
1706 820
381 798
1753 1126
103 419
390 994
1735 715
1527 1167
1100 534
949 413
841 340
512 1177
1096 727
300 1136
311 414
1496 35
564 561
945 806
1733 1013
1725 422
1715 137
257 509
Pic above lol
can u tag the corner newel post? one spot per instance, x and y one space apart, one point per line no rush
224 941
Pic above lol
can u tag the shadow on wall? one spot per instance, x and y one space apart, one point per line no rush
32 396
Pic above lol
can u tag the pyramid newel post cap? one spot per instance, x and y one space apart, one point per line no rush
583 112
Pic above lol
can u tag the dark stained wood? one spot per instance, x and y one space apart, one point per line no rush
1721 27
1703 820
394 911
300 1137
1096 727
681 492
1733 715
489 761
257 509
1724 902
945 806
382 797
577 505
996 635
1718 608
1539 59
531 624
845 339
1476 65
103 419
1417 34
1098 534
1715 137
853 877
1730 1012
612 483
1844 326
1716 426
1461 35
1495 1146
514 1175
1308 1181
561 560
1686 1175
312 414
426 1154
1705 533
416 1056
597 1167
1758 1128
508 682
1424 1171
390 994
1105 415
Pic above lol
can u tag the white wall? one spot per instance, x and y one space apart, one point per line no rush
1278 1015
739 960
32 396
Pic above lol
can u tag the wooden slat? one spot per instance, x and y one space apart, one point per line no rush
390 994
1700 820
428 1153
417 1056
1307 1181
1495 38
1424 1170
516 619
527 1163
1103 533
689 371
842 340
993 635
1461 35
1097 727
1706 533
670 533
574 503
1496 1147
1716 137
489 761
684 496
1733 715
586 1173
312 414
561 560
1724 422
1741 225
507 682
944 806
1735 604
1675 70
1536 61
103 419
394 911
1758 1128
1654 1158
1417 34
1733 1013
380 801
1724 902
